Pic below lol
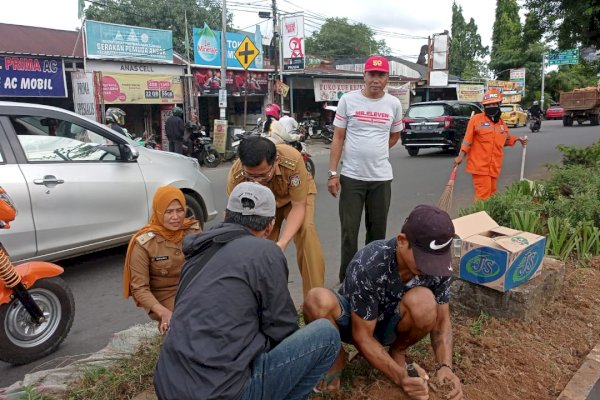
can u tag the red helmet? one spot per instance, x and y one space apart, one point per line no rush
492 96
273 110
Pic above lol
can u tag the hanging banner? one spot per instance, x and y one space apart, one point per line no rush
334 89
208 82
402 92
220 135
281 88
508 89
141 89
518 76
207 47
106 41
84 100
470 92
32 77
292 39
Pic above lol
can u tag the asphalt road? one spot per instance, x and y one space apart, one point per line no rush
96 280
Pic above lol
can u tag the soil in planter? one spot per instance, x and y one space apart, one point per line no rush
504 359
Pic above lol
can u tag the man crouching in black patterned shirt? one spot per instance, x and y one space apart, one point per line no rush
396 292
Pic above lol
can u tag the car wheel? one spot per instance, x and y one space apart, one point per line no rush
193 209
412 151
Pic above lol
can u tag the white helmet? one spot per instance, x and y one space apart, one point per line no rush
535 103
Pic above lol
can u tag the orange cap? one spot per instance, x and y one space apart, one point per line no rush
492 96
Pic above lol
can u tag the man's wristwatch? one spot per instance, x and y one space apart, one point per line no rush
331 174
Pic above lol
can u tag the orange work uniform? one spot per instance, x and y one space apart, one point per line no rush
484 145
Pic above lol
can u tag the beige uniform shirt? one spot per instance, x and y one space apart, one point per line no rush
155 267
291 181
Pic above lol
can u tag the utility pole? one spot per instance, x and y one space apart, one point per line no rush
223 85
275 46
543 79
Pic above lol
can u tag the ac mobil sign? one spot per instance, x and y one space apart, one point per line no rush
32 77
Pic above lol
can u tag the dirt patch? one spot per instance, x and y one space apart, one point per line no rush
503 359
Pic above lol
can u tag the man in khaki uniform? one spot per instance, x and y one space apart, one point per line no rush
282 169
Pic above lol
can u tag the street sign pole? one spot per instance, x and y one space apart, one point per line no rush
543 80
223 85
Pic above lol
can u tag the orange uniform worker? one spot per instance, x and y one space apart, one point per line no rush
484 142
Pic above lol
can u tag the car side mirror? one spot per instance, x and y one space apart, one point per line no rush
129 153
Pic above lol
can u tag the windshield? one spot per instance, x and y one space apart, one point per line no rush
506 108
426 111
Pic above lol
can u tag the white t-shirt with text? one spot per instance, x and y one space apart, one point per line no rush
368 124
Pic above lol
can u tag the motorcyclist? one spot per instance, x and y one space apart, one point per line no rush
289 123
274 130
536 111
115 119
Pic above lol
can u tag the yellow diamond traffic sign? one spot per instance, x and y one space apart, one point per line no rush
246 52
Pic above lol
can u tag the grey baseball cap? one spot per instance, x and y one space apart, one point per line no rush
262 200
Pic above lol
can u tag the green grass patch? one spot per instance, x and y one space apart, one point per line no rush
123 380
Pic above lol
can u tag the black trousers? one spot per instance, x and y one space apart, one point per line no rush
374 197
176 146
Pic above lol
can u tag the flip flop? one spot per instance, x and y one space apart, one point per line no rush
328 380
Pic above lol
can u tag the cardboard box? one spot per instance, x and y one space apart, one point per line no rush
495 256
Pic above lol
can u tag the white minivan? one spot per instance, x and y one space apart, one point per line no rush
79 186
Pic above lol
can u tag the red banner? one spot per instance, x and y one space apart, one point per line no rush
208 82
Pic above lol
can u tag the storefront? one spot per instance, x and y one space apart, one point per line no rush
310 94
246 90
146 92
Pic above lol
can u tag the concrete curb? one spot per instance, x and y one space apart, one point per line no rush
585 384
55 381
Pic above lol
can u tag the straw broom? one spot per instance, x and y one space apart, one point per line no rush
445 202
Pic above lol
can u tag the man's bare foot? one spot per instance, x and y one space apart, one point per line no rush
331 381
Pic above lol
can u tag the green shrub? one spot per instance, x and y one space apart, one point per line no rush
589 156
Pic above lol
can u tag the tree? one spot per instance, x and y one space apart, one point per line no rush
506 38
569 22
338 38
466 50
532 51
569 77
160 14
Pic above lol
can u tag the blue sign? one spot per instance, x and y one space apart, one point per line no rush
111 41
32 77
207 47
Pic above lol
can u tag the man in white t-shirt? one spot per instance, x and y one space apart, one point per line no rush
367 124
288 122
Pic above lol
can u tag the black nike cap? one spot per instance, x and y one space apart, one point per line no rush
430 231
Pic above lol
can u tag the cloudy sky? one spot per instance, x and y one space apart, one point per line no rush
404 24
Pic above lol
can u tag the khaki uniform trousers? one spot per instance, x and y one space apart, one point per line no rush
308 246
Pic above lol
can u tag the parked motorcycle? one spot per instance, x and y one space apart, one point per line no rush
535 124
301 146
309 129
36 306
204 151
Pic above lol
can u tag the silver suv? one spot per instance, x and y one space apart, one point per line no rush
79 186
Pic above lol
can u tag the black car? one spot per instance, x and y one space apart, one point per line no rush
439 124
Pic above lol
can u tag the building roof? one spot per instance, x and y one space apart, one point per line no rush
32 40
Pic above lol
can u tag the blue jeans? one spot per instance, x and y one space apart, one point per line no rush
293 368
